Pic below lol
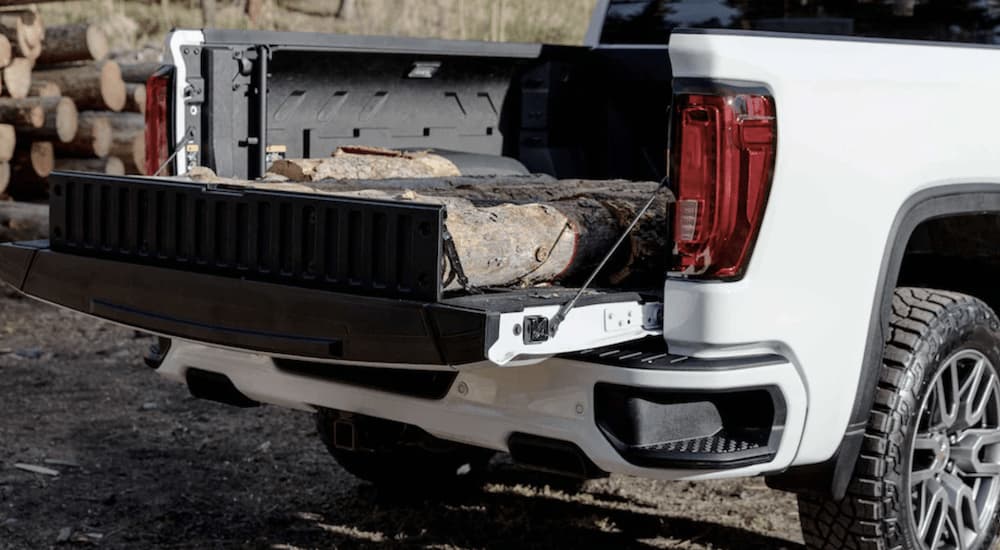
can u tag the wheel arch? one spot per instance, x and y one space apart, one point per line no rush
833 476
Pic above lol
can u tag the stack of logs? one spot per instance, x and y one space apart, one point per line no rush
64 105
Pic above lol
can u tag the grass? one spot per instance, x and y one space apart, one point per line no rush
136 23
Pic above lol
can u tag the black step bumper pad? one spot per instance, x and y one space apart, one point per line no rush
247 314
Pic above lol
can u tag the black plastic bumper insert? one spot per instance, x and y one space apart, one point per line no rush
694 430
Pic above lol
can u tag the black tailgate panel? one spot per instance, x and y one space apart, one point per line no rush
246 314
368 247
274 318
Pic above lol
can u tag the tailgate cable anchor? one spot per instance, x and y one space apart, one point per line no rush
564 310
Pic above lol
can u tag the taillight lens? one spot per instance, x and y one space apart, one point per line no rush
723 151
157 119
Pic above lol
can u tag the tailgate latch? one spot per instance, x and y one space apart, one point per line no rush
527 337
536 329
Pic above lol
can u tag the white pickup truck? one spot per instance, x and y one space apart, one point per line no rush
826 322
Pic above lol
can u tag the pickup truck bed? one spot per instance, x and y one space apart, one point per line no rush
565 111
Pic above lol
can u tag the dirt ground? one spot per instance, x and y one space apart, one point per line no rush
141 464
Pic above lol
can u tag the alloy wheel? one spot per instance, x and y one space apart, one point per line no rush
954 473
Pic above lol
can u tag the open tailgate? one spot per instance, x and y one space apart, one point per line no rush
304 275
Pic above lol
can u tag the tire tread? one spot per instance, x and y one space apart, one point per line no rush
865 518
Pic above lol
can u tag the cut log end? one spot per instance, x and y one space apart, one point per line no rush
66 119
8 140
135 97
17 77
6 53
24 30
30 169
43 158
97 43
101 136
139 153
112 86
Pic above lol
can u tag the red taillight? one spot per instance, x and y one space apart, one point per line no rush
157 121
722 160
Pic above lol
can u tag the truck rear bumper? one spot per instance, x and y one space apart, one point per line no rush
573 400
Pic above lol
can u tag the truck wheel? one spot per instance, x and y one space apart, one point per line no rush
929 472
398 456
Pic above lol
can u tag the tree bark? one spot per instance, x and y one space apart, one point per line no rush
24 113
596 212
97 87
110 165
77 42
44 88
24 30
61 119
132 154
4 177
365 163
135 97
138 72
128 140
29 170
17 77
530 230
20 221
92 139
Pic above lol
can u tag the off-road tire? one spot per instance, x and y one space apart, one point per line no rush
926 327
408 459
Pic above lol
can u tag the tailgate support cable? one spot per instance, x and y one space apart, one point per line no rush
560 315
455 263
184 141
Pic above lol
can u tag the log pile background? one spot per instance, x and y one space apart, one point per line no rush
64 105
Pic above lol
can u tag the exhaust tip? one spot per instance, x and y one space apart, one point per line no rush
213 386
553 456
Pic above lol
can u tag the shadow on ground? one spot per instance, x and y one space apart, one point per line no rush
153 492
143 465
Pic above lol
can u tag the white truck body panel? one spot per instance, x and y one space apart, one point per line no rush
862 126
